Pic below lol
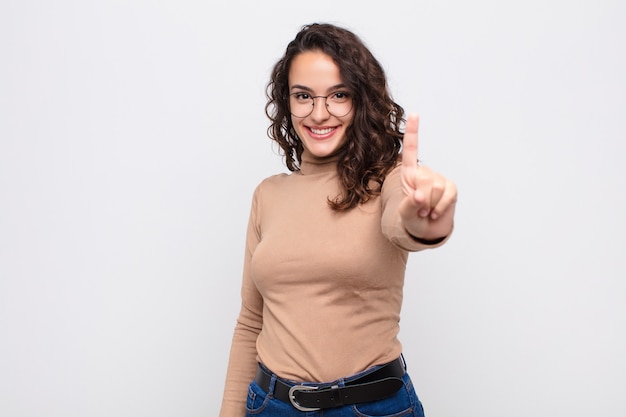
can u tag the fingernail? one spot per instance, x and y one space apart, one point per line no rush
423 213
434 215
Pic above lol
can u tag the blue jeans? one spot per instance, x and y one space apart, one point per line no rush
404 403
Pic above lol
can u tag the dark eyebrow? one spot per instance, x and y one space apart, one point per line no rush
305 88
300 87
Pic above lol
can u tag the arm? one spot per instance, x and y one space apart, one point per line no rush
418 203
243 355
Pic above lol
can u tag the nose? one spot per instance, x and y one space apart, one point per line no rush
320 111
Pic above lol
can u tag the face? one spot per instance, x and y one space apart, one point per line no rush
313 73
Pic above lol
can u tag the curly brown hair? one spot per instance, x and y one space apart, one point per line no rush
374 139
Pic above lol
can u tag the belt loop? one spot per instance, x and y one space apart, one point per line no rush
272 385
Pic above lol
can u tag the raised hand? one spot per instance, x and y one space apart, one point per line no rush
427 210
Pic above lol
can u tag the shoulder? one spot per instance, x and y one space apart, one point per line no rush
269 191
273 181
271 184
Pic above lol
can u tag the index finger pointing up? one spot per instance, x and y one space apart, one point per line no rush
409 142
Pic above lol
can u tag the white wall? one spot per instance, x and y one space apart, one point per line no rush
132 134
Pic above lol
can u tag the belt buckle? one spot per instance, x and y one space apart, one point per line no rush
292 397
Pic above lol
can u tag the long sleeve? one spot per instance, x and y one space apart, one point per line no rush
243 354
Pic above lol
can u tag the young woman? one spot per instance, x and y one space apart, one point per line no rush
327 244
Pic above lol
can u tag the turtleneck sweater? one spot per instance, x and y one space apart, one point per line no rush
322 289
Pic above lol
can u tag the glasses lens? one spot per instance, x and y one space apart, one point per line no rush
301 104
339 104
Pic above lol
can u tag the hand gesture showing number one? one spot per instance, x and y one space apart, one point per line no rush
427 210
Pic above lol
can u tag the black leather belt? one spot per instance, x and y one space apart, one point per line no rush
381 383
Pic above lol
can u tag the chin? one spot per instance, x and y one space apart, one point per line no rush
323 151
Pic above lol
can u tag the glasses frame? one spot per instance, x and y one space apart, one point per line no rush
325 103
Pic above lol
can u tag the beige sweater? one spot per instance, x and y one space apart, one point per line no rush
322 290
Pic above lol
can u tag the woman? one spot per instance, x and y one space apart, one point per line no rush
327 244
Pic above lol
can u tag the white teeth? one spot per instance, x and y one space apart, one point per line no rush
322 131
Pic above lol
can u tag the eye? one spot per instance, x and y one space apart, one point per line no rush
340 97
301 96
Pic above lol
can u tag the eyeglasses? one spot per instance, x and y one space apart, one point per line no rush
337 104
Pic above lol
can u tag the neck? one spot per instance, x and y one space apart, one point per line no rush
312 164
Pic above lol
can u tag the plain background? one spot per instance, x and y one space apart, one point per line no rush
132 134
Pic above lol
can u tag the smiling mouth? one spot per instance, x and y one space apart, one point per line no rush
322 131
